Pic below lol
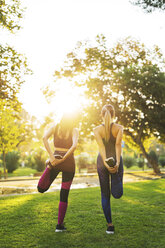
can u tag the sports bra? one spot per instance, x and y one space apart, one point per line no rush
110 144
61 142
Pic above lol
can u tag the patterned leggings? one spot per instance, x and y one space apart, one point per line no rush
46 180
116 187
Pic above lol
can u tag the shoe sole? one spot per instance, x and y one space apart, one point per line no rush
60 230
109 232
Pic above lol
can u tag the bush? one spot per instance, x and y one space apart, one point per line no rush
30 162
82 161
12 161
39 160
162 161
129 161
140 162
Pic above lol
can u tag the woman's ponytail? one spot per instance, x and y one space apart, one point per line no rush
107 123
108 114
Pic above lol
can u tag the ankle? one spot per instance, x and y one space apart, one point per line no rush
110 224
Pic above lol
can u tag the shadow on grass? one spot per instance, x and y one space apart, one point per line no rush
29 221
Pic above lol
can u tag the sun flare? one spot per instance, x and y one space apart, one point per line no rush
68 98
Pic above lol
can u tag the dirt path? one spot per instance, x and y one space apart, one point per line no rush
14 186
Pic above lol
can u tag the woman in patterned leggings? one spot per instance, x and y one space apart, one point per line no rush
109 138
65 142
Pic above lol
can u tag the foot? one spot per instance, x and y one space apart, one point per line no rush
110 230
60 228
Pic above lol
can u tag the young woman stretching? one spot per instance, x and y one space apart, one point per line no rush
65 142
109 138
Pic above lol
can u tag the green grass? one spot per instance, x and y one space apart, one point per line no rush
136 168
139 218
25 171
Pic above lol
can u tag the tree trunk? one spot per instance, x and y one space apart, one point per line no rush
4 165
151 161
154 165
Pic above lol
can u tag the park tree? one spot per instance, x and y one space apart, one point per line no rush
13 65
10 14
150 5
30 143
13 68
129 76
11 130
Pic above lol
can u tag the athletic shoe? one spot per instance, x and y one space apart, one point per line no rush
60 228
110 230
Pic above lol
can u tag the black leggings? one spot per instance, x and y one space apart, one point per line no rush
110 184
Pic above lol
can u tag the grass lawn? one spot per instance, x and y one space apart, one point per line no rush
25 171
139 219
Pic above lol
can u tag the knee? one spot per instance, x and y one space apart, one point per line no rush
117 195
40 190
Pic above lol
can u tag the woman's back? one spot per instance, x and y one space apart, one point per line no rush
62 141
110 144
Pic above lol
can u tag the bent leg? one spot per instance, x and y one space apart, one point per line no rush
117 182
67 178
46 179
105 189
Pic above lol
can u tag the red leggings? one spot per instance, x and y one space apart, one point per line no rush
46 180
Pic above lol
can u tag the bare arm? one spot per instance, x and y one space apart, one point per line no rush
101 145
46 136
118 145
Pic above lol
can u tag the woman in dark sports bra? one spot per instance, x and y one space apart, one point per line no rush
109 137
65 142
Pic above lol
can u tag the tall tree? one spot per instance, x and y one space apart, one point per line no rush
150 5
10 14
11 130
13 67
129 76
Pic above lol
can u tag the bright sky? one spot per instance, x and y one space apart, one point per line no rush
52 28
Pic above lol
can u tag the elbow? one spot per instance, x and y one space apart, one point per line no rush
118 145
94 131
44 138
74 147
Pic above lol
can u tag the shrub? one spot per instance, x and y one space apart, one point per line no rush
162 161
129 161
140 162
82 161
12 161
39 160
30 162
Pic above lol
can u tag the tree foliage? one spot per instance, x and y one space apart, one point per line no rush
10 14
150 5
13 67
129 76
11 130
